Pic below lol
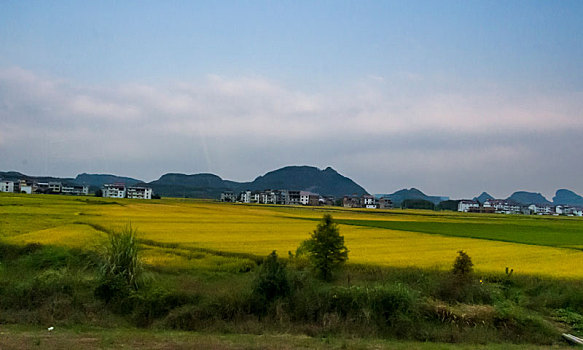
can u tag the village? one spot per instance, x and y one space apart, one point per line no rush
295 197
117 190
504 206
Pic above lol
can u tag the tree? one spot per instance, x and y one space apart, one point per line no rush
326 248
417 204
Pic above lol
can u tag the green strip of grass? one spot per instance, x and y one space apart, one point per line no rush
556 233
19 337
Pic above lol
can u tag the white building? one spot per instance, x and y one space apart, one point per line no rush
75 190
25 187
368 202
539 209
467 205
114 190
304 197
245 197
503 206
139 193
7 186
55 187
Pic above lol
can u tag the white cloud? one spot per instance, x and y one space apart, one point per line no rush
368 127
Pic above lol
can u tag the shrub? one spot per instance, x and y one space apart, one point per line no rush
463 266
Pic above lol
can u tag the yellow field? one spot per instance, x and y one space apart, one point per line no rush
191 225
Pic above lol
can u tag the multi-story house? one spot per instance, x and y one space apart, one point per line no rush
385 203
7 186
368 201
75 190
114 190
228 196
468 205
139 192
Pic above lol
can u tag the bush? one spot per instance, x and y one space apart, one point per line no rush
270 283
463 266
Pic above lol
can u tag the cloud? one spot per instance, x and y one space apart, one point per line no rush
375 129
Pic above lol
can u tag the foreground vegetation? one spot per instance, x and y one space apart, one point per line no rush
218 279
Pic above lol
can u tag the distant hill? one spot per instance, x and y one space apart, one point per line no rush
566 197
97 180
398 197
527 198
483 197
190 186
327 182
14 175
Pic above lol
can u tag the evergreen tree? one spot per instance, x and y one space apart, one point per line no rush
326 248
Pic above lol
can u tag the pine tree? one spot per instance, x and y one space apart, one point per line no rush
326 248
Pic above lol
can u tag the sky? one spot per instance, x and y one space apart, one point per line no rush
450 97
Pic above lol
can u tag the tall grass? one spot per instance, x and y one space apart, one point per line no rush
122 259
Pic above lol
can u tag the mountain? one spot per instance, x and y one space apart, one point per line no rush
97 180
483 197
327 182
14 175
566 197
412 193
527 198
191 186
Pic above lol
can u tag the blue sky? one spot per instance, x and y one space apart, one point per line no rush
452 97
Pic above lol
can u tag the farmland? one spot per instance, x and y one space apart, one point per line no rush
529 245
202 260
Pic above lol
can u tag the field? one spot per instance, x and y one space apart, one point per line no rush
203 263
181 233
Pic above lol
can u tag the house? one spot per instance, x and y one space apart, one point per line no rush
139 192
245 196
268 197
293 197
503 206
538 209
351 202
282 197
7 186
255 197
468 205
54 187
327 200
228 196
25 187
368 201
384 203
75 190
116 190
41 187
309 198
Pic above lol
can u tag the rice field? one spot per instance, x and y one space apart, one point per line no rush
187 234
